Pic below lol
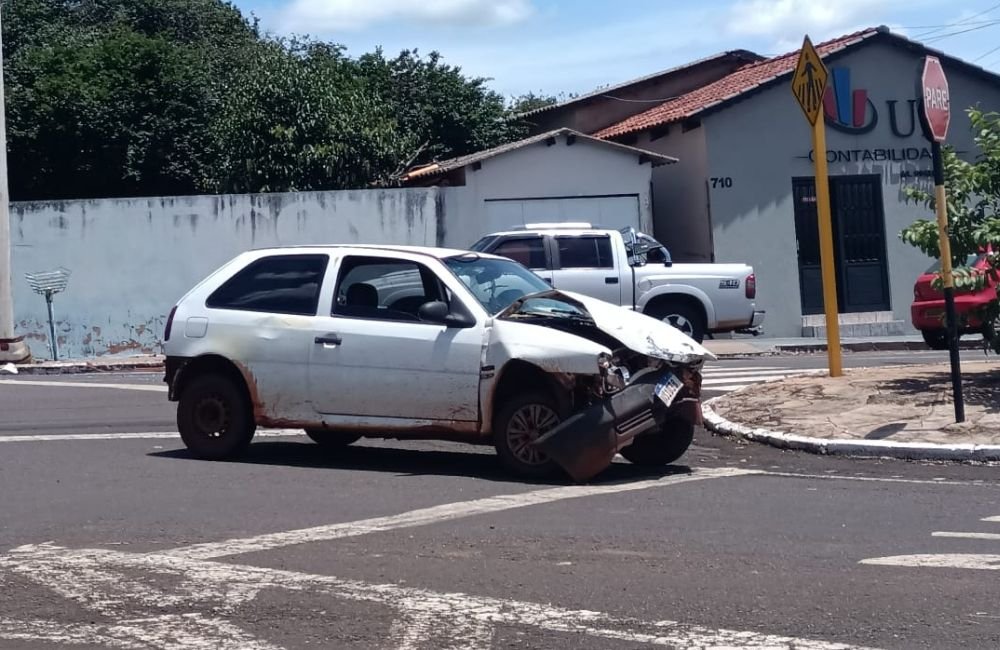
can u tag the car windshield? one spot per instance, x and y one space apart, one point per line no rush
970 261
495 283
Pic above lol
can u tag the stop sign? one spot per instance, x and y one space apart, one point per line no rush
934 101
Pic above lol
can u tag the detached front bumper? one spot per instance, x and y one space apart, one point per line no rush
586 443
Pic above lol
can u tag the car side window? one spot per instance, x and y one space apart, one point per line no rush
385 289
280 284
529 251
587 252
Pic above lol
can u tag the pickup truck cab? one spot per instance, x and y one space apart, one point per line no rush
630 268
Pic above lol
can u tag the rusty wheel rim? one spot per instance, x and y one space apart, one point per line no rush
211 416
527 425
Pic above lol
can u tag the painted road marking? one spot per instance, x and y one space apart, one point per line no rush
134 588
149 435
729 379
85 384
437 514
940 561
991 519
992 536
879 479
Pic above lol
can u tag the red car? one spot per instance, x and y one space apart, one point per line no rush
927 310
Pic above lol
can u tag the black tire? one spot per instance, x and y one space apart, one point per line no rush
935 339
661 447
330 439
519 420
214 418
681 315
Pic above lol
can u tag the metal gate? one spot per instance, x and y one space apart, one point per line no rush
858 242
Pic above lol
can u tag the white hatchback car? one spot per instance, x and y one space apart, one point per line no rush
408 342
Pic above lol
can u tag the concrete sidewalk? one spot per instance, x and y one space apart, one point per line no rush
898 411
760 346
148 363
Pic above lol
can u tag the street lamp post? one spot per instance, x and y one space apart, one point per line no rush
12 348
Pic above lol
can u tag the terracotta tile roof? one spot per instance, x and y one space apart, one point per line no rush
743 80
445 166
737 56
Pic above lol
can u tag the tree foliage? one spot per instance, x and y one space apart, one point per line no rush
152 97
973 208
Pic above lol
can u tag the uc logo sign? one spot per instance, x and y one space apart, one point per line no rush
847 109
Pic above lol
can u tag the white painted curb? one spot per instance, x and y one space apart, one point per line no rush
847 447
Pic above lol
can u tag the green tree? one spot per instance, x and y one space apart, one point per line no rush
296 116
973 197
440 112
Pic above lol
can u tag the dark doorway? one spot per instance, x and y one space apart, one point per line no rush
858 242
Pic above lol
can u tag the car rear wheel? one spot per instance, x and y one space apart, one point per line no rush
214 418
682 316
661 447
518 423
935 339
332 439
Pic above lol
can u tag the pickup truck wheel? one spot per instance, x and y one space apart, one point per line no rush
214 418
518 423
935 339
332 439
661 447
682 316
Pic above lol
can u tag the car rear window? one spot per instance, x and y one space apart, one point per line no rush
970 261
280 284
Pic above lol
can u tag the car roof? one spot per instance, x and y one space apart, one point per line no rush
429 251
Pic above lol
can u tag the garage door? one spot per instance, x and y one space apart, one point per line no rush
611 211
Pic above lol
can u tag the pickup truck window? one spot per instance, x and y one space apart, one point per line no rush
279 284
528 251
586 252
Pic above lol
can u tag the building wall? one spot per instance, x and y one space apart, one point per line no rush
764 141
681 219
131 259
583 169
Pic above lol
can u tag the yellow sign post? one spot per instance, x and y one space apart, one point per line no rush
809 86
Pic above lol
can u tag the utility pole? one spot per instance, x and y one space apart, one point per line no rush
12 348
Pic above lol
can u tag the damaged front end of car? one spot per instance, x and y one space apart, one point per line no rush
648 376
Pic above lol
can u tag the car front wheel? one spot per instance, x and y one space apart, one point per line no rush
661 447
214 418
518 424
935 339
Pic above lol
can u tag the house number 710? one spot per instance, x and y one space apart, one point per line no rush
722 181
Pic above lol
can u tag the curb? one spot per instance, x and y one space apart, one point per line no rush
848 447
877 346
88 367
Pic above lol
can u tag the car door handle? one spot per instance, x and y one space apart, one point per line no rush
328 339
611 280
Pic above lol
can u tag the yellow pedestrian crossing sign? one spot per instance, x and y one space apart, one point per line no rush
809 81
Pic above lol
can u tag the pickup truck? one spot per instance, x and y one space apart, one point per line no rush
629 268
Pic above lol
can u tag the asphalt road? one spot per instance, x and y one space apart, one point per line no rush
111 536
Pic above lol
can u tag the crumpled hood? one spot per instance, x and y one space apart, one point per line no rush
638 332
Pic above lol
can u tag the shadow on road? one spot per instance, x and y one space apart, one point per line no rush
414 462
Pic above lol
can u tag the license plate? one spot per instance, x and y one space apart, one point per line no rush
668 388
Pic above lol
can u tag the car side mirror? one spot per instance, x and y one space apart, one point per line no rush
434 312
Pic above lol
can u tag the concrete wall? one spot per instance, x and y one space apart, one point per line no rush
131 259
681 219
763 142
584 169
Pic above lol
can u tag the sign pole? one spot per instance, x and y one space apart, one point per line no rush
12 348
809 87
948 279
935 116
833 353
